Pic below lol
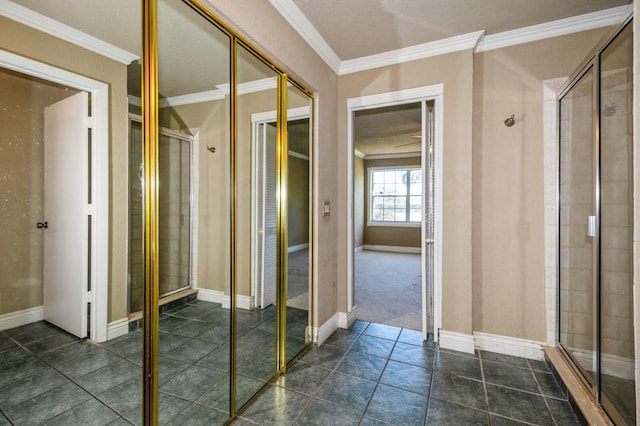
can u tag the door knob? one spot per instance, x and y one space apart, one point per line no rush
41 225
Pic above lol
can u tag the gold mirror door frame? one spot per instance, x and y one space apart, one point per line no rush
151 125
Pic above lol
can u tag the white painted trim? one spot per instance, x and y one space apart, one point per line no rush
271 116
477 40
192 98
217 296
268 83
359 154
574 24
358 249
57 29
19 318
100 176
298 155
394 249
391 156
550 89
412 53
307 31
456 341
346 320
379 100
293 249
417 94
612 365
321 334
213 296
506 345
117 328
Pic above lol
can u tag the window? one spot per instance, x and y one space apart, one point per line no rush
395 195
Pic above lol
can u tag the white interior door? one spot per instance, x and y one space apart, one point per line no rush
66 212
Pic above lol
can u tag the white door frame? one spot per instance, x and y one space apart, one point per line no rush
99 209
419 94
257 119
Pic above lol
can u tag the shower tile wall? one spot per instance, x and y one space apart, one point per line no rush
616 253
136 176
174 203
577 204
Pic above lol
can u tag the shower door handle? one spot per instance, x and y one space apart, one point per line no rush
591 232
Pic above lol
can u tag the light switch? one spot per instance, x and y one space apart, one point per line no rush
327 209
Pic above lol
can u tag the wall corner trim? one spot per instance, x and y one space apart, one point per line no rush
322 333
506 345
307 31
24 317
117 328
456 341
57 29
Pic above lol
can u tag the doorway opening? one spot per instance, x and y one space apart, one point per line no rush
394 245
76 303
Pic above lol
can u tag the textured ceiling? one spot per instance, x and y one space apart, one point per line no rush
357 28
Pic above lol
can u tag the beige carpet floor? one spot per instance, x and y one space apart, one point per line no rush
388 288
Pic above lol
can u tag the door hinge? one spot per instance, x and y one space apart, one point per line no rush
90 122
87 297
90 209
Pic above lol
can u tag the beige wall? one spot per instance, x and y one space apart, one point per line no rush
28 42
508 167
22 102
263 24
398 236
455 71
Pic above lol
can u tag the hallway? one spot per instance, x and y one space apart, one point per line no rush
369 374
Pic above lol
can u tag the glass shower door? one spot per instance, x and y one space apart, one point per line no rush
617 372
577 240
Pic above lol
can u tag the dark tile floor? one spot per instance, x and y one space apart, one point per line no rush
369 375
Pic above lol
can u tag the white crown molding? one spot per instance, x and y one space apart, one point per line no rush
589 21
57 29
307 31
406 54
192 98
251 86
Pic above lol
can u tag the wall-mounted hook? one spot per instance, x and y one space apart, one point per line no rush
211 148
510 121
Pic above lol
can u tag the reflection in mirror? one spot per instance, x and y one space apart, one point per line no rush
194 219
256 225
298 219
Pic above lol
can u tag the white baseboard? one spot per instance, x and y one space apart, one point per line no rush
394 249
322 333
346 319
505 345
24 317
456 341
218 296
298 247
117 328
214 296
612 365
358 249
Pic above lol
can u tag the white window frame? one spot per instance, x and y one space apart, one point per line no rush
405 224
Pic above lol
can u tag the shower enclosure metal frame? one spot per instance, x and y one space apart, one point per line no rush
592 64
